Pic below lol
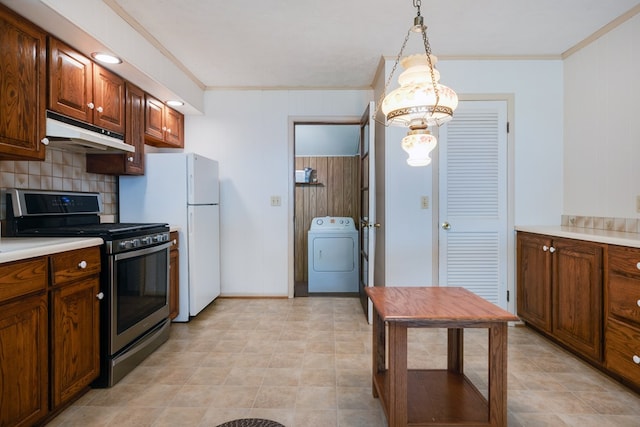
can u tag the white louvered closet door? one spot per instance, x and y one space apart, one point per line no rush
473 200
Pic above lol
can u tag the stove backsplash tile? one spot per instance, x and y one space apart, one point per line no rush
628 225
62 171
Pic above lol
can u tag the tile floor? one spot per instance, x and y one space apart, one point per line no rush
306 362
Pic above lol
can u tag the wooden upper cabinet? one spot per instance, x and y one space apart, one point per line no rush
154 118
85 91
127 163
22 87
174 133
108 95
164 127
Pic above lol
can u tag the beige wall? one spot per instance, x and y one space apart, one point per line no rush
61 170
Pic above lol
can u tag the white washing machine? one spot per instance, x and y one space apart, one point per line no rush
333 255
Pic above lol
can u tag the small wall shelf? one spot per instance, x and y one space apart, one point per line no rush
309 183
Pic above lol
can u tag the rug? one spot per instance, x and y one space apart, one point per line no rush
251 422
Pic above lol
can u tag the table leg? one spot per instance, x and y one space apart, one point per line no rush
378 348
398 413
455 350
497 377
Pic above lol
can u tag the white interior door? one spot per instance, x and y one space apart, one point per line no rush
473 211
368 225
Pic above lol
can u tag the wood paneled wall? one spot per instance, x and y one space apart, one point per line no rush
335 194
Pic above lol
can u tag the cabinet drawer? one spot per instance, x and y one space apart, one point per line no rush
622 347
624 297
624 260
22 277
71 265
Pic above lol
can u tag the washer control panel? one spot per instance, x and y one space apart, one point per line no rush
332 223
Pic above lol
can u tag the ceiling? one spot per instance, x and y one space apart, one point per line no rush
179 48
339 43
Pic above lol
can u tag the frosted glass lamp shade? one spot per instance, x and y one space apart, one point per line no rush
415 100
419 144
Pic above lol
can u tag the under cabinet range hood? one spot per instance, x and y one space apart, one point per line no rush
73 135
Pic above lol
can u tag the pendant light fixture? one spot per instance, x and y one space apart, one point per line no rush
421 101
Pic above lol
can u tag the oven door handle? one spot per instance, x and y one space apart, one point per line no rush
143 251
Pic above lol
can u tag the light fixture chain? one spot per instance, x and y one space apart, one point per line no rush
388 82
427 49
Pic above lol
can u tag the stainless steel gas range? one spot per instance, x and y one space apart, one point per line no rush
134 312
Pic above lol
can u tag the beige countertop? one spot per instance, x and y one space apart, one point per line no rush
17 248
589 234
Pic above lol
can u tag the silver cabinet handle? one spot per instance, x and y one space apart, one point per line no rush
130 159
545 248
552 249
91 105
45 141
100 109
636 359
100 295
82 264
446 226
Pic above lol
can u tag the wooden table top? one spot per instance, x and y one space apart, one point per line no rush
434 304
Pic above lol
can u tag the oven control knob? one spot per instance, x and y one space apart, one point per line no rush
135 243
123 244
146 240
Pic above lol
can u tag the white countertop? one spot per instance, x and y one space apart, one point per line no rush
588 234
17 248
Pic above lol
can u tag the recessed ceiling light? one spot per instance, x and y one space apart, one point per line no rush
174 103
106 58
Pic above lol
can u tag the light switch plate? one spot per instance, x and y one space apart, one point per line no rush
276 201
424 202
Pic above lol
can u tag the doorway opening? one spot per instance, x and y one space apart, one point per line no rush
327 178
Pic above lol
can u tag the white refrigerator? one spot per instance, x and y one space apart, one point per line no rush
182 190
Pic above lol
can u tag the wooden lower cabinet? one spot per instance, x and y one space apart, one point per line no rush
622 325
534 280
24 343
75 316
560 288
49 333
24 364
75 357
174 276
577 296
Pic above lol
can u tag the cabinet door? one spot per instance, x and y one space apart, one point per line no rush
23 361
577 296
154 118
108 97
129 163
534 280
22 88
174 277
75 360
70 82
174 128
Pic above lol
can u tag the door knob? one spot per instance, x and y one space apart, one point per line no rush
446 226
364 224
376 225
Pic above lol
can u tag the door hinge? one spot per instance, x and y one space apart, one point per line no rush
508 295
507 127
